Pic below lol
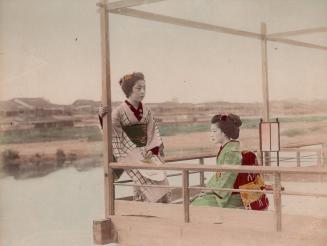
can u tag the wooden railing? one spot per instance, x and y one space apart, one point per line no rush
200 157
187 168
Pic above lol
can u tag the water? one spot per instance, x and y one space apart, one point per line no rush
58 209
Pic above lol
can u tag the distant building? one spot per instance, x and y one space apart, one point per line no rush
31 107
53 124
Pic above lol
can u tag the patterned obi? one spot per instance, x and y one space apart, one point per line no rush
137 134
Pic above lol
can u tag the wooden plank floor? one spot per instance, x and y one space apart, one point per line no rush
138 223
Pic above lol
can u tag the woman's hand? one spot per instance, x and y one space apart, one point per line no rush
148 154
103 110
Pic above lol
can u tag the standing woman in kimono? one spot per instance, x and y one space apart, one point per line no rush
135 137
225 131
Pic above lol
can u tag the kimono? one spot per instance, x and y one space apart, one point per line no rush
134 131
228 154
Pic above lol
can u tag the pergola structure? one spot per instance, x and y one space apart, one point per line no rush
124 7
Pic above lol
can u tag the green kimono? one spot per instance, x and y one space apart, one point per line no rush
228 155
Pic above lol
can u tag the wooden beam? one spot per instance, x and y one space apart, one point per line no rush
297 43
324 154
183 22
298 32
103 232
278 202
106 100
206 27
265 159
128 3
264 67
201 162
186 196
222 168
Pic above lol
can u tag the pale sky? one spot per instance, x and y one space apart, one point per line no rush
51 49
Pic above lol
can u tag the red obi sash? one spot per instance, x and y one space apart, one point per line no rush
251 200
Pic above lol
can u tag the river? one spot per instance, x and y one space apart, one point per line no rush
58 209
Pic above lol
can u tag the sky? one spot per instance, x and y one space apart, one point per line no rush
51 49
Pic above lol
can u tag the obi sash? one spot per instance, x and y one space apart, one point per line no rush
137 134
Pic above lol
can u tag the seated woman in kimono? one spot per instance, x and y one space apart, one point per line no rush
135 137
225 131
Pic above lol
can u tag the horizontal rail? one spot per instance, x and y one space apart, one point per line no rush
201 157
298 32
189 157
211 155
183 22
197 188
296 193
289 193
297 43
150 186
168 176
126 3
223 168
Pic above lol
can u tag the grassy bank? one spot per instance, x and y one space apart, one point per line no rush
50 134
92 133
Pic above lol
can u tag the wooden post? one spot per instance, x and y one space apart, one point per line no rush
264 61
319 162
298 158
102 232
278 201
259 155
324 154
111 191
265 86
186 196
106 100
201 162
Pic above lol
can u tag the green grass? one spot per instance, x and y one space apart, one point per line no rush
92 133
169 130
292 132
50 134
304 118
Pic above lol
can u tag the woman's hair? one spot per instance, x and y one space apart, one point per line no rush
229 124
128 81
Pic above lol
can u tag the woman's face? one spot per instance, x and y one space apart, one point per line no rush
216 135
138 91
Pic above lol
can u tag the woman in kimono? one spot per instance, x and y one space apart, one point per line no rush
225 131
136 138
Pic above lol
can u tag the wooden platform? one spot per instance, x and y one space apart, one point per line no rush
138 223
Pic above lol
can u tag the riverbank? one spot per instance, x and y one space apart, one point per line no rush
40 158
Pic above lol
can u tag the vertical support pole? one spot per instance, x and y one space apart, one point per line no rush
319 163
106 101
265 86
278 201
259 157
264 61
201 162
260 139
111 189
103 232
298 158
186 196
324 154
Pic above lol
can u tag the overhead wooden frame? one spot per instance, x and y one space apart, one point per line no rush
123 7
